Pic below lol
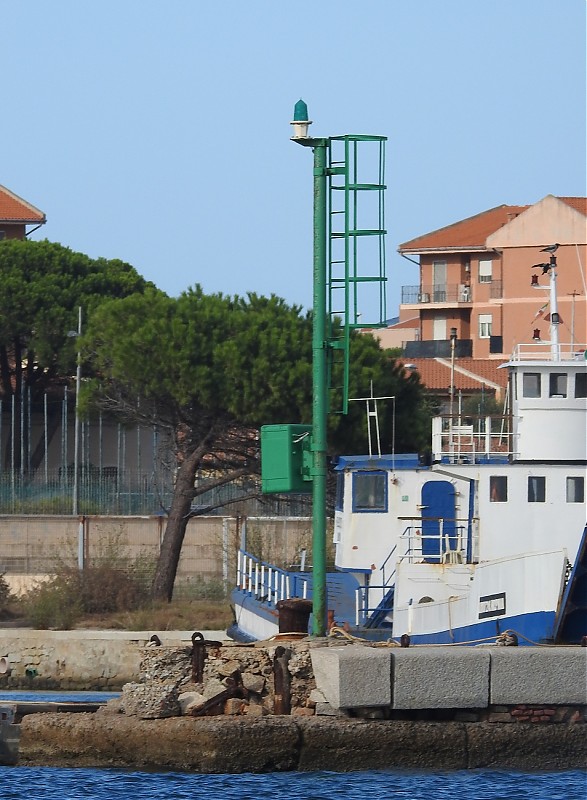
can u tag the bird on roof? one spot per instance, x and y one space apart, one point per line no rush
552 248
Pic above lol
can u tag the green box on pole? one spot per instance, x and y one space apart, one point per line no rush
283 461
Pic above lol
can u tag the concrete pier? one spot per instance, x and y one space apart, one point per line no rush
353 706
276 744
355 676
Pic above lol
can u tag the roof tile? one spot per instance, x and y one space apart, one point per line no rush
14 209
436 374
471 232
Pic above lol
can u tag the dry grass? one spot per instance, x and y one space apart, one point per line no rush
181 615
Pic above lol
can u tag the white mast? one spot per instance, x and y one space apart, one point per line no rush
554 315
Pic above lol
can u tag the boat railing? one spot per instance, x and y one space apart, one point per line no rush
449 546
543 351
472 439
266 582
364 605
363 594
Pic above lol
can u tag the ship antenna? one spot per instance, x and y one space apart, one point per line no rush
373 414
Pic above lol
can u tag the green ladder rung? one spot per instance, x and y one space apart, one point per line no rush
361 187
358 232
358 279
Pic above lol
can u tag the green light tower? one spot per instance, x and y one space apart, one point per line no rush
338 281
346 275
319 367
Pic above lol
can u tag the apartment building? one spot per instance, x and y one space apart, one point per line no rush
477 280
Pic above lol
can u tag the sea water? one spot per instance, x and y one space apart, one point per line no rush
52 783
21 696
30 783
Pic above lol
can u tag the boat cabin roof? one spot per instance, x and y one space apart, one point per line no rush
376 462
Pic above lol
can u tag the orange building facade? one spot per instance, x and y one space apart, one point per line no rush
476 280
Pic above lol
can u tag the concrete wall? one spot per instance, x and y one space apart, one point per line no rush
84 660
32 547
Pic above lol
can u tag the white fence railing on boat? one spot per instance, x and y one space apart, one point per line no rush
471 439
266 582
455 543
542 351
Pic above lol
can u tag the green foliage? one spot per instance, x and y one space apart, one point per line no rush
199 588
61 601
6 596
481 404
372 367
53 603
110 583
199 357
43 284
59 503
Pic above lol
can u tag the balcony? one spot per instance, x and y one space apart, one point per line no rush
448 293
441 293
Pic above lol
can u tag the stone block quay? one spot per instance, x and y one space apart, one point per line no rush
354 676
210 705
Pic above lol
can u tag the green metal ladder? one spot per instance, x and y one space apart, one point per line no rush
356 250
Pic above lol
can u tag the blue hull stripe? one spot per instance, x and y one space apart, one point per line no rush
535 628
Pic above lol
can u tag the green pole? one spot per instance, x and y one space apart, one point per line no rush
319 391
319 365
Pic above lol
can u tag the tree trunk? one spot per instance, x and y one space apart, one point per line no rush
164 579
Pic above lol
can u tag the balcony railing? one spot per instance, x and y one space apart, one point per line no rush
438 348
446 293
441 293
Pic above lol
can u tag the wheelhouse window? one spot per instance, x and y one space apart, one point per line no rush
531 384
558 384
575 489
370 491
498 488
536 489
485 270
485 322
581 384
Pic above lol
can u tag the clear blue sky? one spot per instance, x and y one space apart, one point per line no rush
158 132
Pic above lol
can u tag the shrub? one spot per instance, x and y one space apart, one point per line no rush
104 589
6 596
71 593
53 604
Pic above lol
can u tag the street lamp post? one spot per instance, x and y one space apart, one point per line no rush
78 374
453 344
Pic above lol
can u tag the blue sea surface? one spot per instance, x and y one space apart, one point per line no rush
109 784
21 696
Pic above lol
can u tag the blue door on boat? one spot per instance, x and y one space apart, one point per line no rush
438 517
